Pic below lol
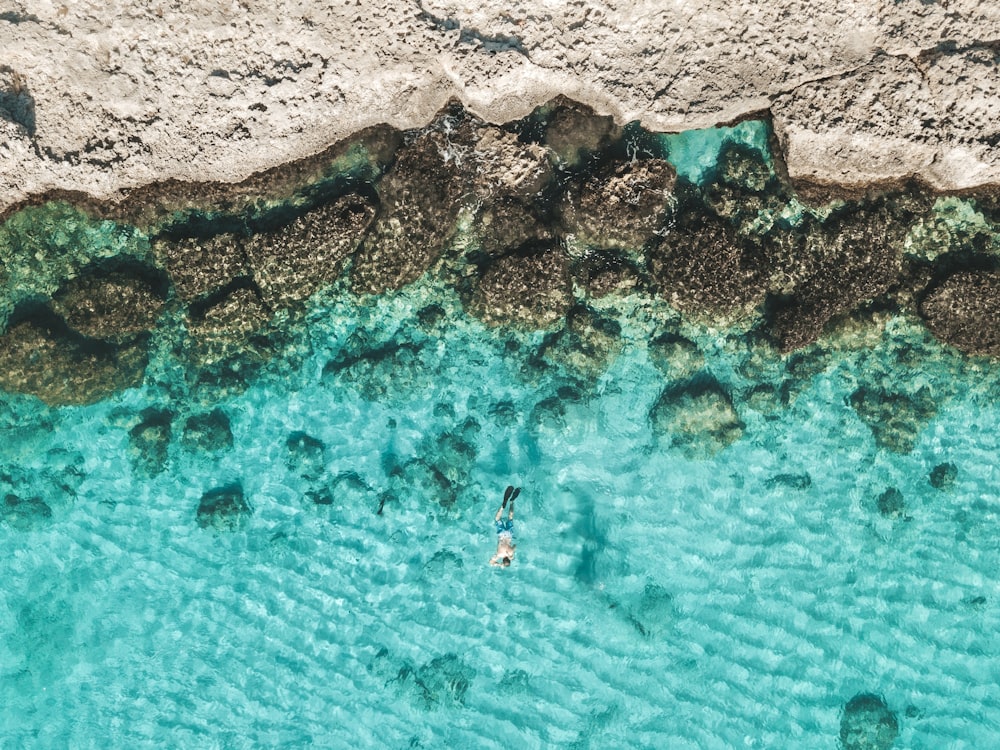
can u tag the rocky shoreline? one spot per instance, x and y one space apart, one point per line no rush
100 100
527 222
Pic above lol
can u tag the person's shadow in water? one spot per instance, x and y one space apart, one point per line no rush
594 541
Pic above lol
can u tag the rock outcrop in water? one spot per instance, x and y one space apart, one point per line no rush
529 221
868 724
224 508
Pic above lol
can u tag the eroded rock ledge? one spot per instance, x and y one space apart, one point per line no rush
531 223
98 98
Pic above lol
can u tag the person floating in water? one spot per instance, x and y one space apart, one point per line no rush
505 530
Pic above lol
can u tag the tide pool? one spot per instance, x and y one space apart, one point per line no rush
658 599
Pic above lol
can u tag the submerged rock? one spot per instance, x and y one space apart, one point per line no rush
149 441
350 490
304 455
868 724
701 266
112 303
24 513
224 508
675 356
207 432
697 415
291 263
420 479
532 291
624 205
443 681
575 133
40 357
943 476
378 369
198 266
890 504
421 199
586 346
895 419
793 481
964 311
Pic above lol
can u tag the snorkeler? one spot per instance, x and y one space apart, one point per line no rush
505 530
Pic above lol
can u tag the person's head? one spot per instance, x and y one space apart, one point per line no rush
505 562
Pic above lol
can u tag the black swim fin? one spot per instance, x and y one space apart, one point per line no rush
506 495
514 494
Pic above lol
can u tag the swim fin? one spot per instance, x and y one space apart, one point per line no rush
514 495
506 495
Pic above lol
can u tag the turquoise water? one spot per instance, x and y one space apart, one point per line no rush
656 600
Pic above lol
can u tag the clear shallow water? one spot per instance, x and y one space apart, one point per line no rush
655 601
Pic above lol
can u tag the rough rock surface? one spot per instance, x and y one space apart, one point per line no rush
965 311
98 97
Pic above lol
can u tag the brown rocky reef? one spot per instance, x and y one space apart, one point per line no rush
528 220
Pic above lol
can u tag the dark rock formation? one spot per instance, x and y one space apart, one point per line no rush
697 415
792 481
421 198
825 269
623 205
199 266
895 419
224 508
964 311
586 346
509 181
703 267
868 724
675 356
149 441
40 356
890 504
575 133
305 455
290 263
379 368
209 432
350 490
24 513
943 476
532 291
112 303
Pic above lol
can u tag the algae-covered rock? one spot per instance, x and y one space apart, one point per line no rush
675 356
575 133
586 346
422 195
895 419
224 508
701 266
24 513
964 311
943 476
198 266
826 268
40 356
697 415
890 504
304 455
149 441
289 264
868 724
532 291
209 432
112 303
623 205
